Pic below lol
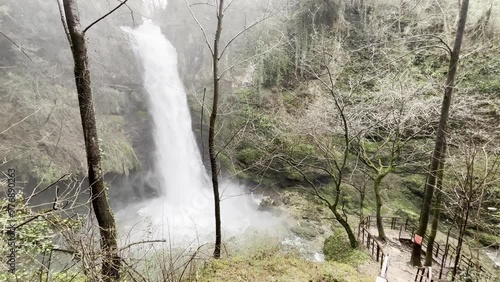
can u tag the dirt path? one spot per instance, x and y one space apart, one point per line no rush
399 268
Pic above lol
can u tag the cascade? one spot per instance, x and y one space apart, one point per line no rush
185 207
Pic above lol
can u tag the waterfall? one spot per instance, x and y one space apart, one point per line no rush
185 208
178 161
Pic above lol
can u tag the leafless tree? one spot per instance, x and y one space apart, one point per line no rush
217 50
438 154
387 135
472 174
105 218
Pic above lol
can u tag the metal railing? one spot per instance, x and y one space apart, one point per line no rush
445 254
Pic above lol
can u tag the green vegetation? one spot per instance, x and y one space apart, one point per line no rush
36 237
271 265
337 249
117 153
47 144
279 125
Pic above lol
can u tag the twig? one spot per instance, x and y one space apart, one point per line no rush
28 116
201 125
107 14
232 138
131 15
44 189
129 267
142 242
201 27
246 29
18 46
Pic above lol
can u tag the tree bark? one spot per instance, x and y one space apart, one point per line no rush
362 195
211 133
438 154
350 234
435 217
378 202
434 226
100 204
461 235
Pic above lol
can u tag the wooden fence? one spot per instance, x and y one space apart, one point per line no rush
370 242
422 274
444 254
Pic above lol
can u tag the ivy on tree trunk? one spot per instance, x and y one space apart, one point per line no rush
100 204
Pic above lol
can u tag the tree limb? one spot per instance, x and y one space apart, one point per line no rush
103 17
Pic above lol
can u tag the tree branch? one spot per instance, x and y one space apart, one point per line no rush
201 27
64 23
103 17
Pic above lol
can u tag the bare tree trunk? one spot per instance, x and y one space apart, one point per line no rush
343 221
350 234
434 226
460 240
436 214
438 154
362 195
100 204
211 133
435 217
378 201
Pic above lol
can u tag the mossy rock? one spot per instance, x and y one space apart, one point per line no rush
337 248
307 233
489 240
267 204
248 155
117 153
142 115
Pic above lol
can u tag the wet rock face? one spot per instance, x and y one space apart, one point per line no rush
305 232
44 84
267 204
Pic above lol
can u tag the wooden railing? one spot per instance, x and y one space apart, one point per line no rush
445 255
422 274
370 242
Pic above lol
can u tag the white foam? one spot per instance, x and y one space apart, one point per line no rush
185 209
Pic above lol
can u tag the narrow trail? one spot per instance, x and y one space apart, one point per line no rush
399 269
398 246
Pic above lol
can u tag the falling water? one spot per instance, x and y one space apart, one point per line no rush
185 208
177 161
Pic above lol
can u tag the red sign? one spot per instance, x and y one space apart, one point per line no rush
418 239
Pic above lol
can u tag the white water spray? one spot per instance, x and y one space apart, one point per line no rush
177 162
185 210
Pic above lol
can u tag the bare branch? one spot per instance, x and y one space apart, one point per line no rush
246 29
28 116
201 27
142 242
103 17
64 23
